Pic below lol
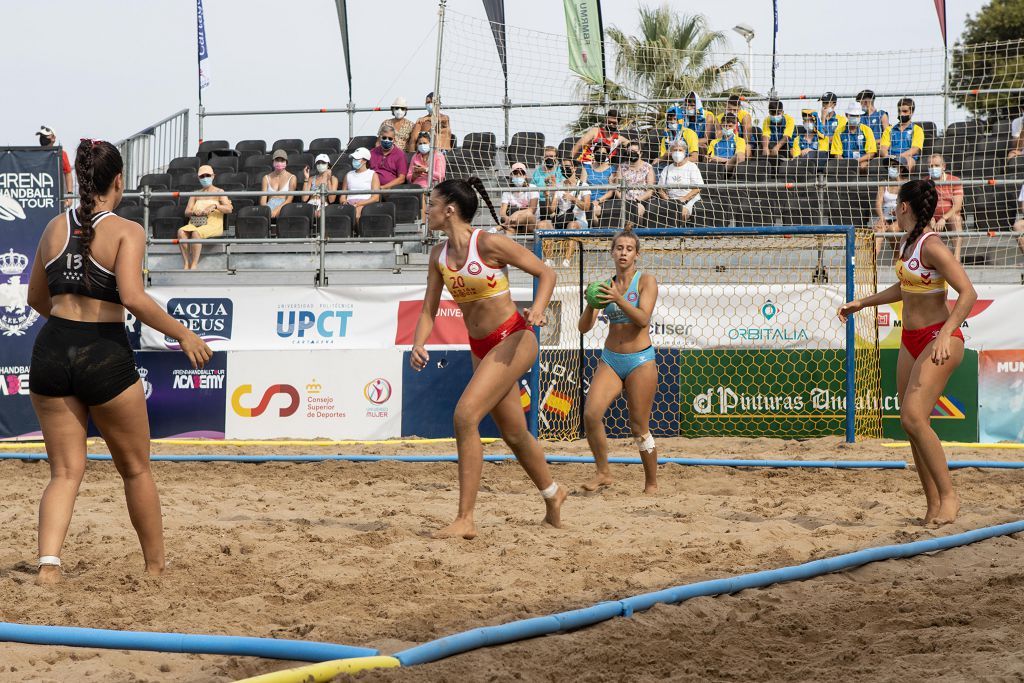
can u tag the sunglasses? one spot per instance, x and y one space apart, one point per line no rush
522 173
206 175
382 137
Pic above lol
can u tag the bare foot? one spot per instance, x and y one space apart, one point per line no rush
929 516
948 510
553 516
650 489
599 481
154 571
463 528
48 576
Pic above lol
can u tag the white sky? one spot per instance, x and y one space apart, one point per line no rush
108 68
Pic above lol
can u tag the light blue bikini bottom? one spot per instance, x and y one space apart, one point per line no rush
625 363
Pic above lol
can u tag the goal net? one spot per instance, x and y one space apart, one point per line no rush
746 336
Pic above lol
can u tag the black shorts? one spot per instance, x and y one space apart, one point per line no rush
91 361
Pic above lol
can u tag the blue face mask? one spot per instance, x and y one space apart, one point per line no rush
357 164
727 133
935 172
387 143
423 148
854 121
206 182
518 180
776 118
430 109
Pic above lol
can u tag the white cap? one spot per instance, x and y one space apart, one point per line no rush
854 109
400 102
46 131
361 153
322 157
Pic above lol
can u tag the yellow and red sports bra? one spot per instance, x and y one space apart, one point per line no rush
475 280
914 277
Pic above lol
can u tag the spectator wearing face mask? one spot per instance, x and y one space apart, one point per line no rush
388 159
518 207
442 135
885 200
694 117
856 140
278 180
675 132
48 138
205 218
682 171
951 200
875 119
606 135
829 122
363 180
777 130
420 162
402 125
547 174
905 139
322 179
632 173
810 142
745 122
568 208
599 172
730 149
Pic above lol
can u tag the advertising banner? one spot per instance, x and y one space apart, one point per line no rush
183 402
309 395
1001 395
29 199
993 323
955 415
793 316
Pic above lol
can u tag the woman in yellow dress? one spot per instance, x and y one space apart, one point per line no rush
205 218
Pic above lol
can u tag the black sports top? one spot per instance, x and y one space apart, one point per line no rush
65 274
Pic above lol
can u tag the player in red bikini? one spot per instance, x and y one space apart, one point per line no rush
473 265
933 345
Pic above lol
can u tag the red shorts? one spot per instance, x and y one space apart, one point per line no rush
914 341
481 347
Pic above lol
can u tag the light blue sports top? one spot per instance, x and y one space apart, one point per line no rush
616 316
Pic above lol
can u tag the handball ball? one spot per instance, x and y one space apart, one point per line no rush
593 294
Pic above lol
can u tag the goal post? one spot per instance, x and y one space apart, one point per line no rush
745 334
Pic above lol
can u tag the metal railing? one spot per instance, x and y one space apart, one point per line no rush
151 149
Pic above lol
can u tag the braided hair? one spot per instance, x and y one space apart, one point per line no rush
463 194
923 198
97 163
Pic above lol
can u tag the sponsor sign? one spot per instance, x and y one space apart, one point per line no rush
955 415
1001 395
29 199
352 395
993 322
183 402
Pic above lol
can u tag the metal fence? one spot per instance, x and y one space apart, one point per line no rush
151 149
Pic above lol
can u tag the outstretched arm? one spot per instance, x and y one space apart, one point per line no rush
425 325
501 249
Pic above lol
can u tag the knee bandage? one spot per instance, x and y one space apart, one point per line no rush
645 443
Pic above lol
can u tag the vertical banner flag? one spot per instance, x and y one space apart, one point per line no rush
775 39
496 15
204 77
29 198
586 39
343 25
940 9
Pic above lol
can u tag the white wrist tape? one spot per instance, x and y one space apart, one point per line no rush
645 443
49 561
550 492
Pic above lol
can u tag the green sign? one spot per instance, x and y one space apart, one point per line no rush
586 39
955 416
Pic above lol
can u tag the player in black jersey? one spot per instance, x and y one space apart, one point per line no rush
87 271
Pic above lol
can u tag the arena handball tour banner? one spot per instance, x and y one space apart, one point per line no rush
29 199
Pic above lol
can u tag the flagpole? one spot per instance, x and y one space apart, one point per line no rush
945 72
199 68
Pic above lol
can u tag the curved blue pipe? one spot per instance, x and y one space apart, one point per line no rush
273 648
702 462
529 628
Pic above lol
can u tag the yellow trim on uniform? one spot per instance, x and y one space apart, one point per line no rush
325 671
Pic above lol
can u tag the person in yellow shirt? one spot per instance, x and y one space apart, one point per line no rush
905 139
811 141
675 131
856 140
730 149
745 122
777 130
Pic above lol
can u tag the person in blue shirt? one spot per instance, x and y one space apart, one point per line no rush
777 130
855 141
599 172
875 119
730 149
693 116
829 122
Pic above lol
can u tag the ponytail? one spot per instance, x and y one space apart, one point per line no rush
923 198
478 185
97 164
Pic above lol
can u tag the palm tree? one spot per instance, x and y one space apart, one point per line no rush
674 54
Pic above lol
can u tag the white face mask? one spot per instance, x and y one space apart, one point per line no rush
518 180
423 148
678 157
321 167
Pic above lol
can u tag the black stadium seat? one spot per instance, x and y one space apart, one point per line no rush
377 220
290 145
207 147
527 148
407 207
258 146
367 141
296 220
258 162
565 147
183 164
156 181
480 148
129 212
339 218
231 177
253 222
325 144
166 221
223 163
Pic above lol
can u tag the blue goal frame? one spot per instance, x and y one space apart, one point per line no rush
851 245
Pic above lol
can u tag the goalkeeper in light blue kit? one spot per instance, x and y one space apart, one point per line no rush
627 361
